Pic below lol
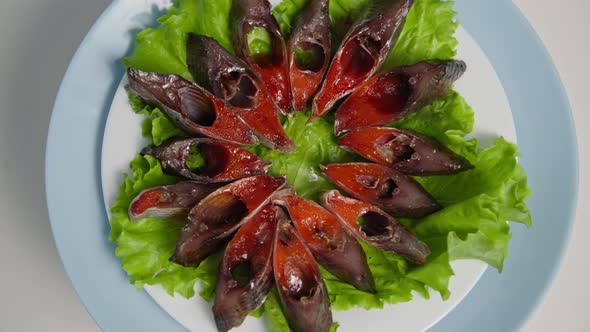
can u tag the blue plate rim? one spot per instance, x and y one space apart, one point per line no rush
560 95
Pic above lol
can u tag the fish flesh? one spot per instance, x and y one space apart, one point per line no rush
396 93
220 215
310 46
169 201
330 243
384 187
232 80
192 108
273 68
375 227
222 161
245 274
362 52
404 151
300 285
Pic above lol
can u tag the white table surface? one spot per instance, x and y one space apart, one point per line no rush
37 40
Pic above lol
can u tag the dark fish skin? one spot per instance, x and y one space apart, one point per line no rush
224 162
404 151
245 274
330 243
312 34
397 93
169 201
375 227
362 52
273 70
384 187
231 79
191 107
300 285
220 215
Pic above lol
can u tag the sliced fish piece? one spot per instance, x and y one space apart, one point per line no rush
397 93
375 227
384 187
191 107
245 274
222 161
300 285
309 46
404 151
273 68
362 52
232 80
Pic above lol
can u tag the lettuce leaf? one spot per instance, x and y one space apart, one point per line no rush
478 204
259 42
274 314
429 33
196 160
476 227
316 145
447 120
156 126
163 49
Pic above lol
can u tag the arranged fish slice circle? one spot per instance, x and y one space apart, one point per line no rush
404 151
222 161
273 234
375 227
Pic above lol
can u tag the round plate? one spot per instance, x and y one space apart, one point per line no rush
536 98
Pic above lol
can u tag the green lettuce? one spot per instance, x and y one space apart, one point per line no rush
196 160
259 42
429 33
316 145
478 203
274 314
304 58
156 126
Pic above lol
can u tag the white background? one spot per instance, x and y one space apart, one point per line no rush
37 40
